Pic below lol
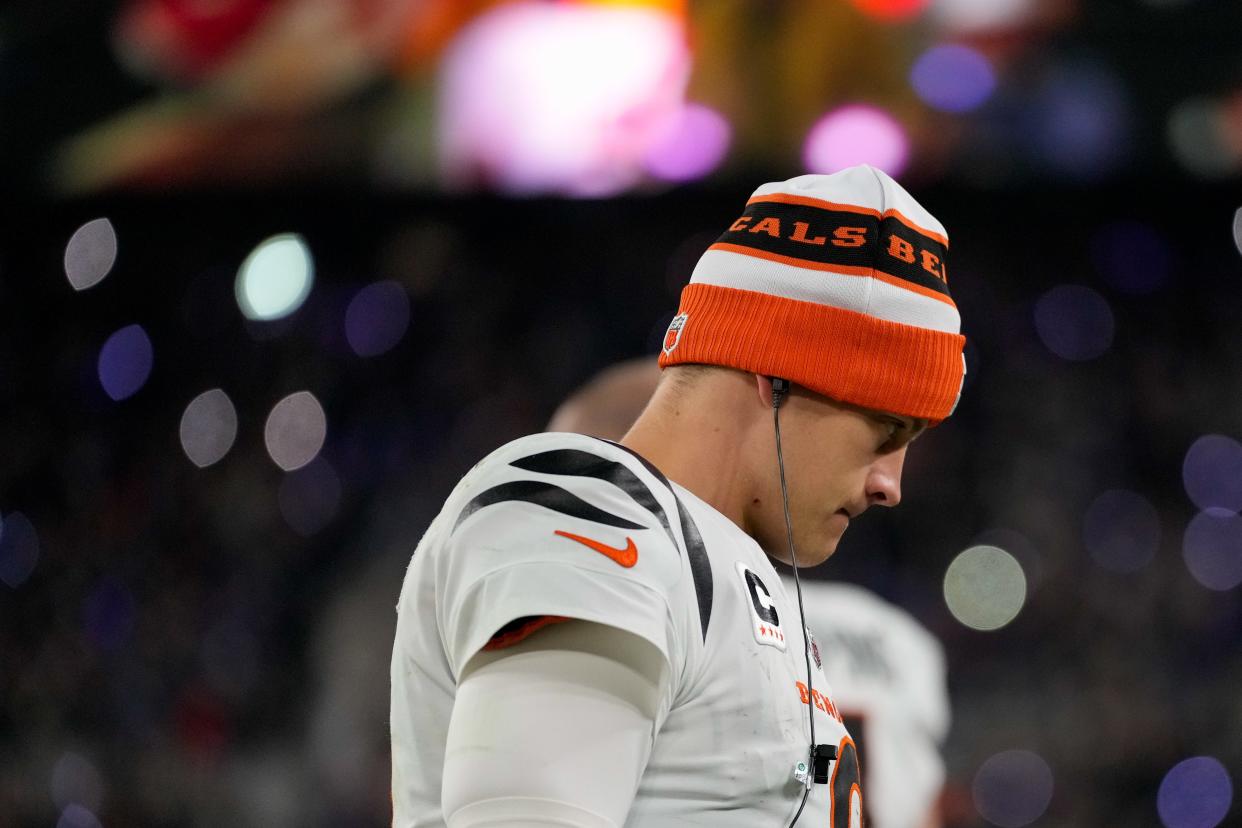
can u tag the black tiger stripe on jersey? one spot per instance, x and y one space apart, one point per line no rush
696 551
578 463
548 496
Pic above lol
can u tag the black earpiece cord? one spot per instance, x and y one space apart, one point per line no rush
780 388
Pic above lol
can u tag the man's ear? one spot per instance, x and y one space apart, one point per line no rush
764 386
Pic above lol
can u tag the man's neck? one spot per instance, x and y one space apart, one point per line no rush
697 437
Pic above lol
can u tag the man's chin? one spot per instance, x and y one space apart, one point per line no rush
816 554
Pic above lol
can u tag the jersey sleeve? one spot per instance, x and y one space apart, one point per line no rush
554 530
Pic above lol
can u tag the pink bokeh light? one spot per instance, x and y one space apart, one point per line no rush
561 98
856 134
690 145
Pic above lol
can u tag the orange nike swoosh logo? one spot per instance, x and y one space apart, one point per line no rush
627 557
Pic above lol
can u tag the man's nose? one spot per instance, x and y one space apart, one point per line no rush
884 479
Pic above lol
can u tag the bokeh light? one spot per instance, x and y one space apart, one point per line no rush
125 362
275 278
208 427
1013 788
1200 140
856 134
979 15
77 816
108 614
1237 229
310 497
1195 793
295 430
1212 548
1080 121
891 10
76 779
1132 257
953 78
689 145
984 588
558 97
1212 472
90 253
1121 531
1074 322
377 318
19 549
1022 549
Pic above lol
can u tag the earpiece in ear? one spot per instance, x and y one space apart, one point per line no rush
780 388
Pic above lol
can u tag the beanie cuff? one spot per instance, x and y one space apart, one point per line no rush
848 356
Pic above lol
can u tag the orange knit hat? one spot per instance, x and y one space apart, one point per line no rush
834 282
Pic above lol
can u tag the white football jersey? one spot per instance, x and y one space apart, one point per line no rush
888 680
568 525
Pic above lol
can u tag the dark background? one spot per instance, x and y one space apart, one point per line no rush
182 655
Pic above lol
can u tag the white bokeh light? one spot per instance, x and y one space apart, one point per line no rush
980 15
76 779
295 430
275 278
1237 229
985 588
90 253
1013 788
208 427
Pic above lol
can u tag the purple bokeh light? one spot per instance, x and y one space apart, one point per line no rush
108 614
125 362
856 134
690 145
1074 322
1013 788
953 78
1121 530
1133 257
377 317
1212 472
310 496
1081 120
76 816
1212 547
19 549
1195 793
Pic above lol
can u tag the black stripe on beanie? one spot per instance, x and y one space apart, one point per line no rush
838 237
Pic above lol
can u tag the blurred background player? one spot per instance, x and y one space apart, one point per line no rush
887 671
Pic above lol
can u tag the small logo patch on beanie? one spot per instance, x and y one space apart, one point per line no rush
673 336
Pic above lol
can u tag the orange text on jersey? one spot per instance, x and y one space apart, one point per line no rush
821 701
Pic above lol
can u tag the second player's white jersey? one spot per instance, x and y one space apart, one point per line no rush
571 526
888 679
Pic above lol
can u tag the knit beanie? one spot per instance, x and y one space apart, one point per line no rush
837 283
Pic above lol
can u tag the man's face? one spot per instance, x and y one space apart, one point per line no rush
839 460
